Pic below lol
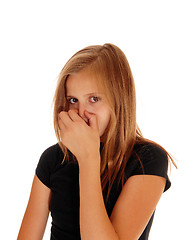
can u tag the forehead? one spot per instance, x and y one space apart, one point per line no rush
82 82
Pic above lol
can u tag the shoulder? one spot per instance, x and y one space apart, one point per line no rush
52 151
51 155
149 159
49 159
152 155
150 152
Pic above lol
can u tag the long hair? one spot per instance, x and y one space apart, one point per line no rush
109 65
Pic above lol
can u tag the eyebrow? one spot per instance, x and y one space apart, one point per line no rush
88 94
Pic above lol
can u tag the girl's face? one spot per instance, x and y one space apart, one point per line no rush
82 94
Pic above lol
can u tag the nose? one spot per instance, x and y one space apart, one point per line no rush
81 109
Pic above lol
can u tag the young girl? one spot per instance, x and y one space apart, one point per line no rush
103 179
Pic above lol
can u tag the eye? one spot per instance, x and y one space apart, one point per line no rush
72 100
94 99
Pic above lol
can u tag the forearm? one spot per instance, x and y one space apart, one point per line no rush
94 221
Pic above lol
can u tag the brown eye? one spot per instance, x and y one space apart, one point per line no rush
72 100
94 99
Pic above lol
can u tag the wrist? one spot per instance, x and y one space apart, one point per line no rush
89 163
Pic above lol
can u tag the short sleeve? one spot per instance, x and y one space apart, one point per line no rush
154 162
45 165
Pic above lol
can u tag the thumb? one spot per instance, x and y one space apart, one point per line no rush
92 120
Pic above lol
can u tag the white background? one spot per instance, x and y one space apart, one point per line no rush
38 37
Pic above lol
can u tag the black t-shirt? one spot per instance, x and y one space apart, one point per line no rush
63 180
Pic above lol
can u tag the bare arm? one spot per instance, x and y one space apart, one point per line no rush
94 221
37 212
136 204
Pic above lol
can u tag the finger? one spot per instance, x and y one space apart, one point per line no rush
65 119
73 114
92 120
61 125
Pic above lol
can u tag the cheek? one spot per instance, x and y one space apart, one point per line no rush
103 118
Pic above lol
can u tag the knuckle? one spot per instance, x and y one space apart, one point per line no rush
70 111
60 114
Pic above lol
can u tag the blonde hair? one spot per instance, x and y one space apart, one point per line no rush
111 68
